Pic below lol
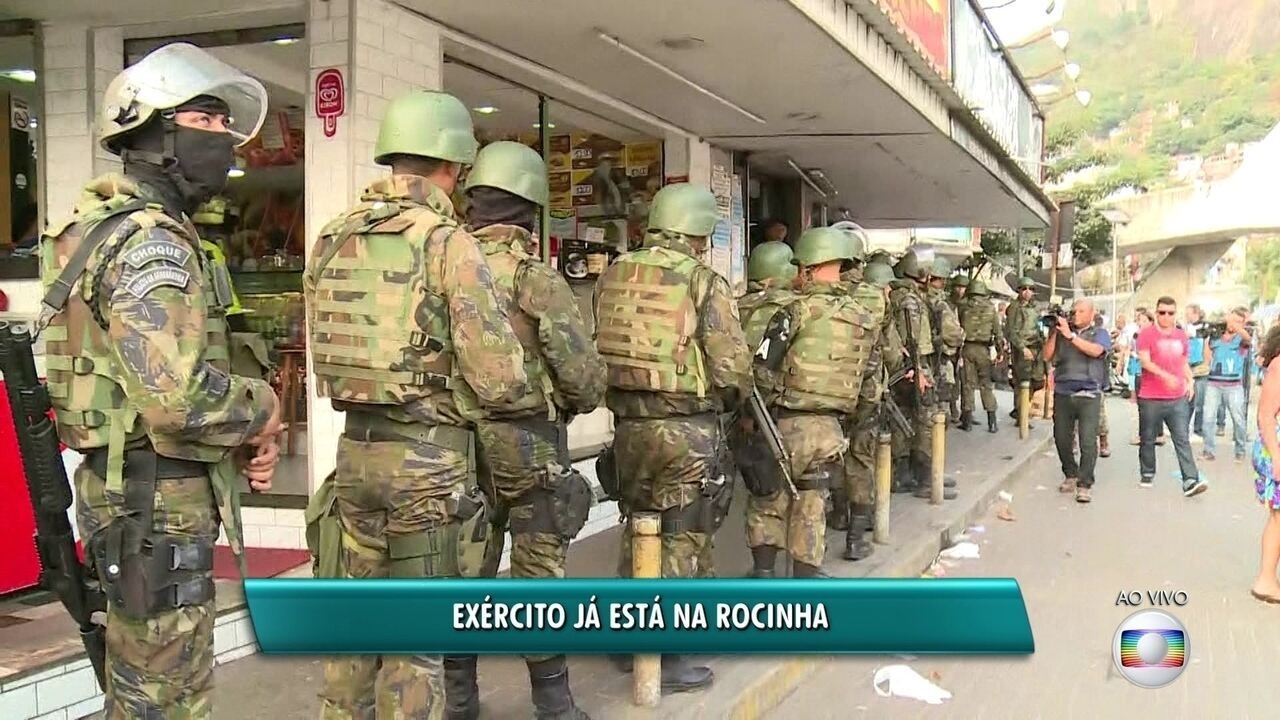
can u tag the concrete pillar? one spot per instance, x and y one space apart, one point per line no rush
76 64
383 52
1180 274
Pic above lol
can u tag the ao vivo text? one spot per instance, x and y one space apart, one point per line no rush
1154 598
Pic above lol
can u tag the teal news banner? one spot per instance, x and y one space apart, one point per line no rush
717 616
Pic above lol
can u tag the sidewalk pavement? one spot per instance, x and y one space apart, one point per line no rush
284 688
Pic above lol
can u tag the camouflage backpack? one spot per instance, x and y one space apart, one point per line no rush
831 342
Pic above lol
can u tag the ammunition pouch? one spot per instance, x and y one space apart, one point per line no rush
705 514
455 549
324 532
757 465
607 474
559 506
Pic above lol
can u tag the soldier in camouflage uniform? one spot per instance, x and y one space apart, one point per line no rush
863 427
915 395
959 288
1022 330
981 334
948 336
668 329
770 274
139 381
409 338
523 445
829 339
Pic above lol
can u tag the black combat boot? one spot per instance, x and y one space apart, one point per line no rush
678 675
805 570
762 561
549 685
856 544
966 420
922 467
991 421
461 694
902 480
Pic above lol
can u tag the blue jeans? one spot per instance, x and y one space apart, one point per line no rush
1197 416
1232 398
1175 415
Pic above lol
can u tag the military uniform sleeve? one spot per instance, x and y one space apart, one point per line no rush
155 298
487 351
720 335
922 329
951 333
571 356
1013 329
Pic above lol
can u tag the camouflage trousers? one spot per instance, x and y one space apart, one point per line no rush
860 460
161 666
663 463
920 415
977 376
383 490
511 459
815 444
1030 370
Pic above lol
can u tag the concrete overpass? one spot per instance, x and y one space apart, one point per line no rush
1198 223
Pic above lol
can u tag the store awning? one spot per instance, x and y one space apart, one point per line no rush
762 78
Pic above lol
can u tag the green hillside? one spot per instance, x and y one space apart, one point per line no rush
1168 77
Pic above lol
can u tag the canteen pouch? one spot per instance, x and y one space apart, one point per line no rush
607 474
324 532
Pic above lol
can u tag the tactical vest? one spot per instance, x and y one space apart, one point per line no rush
379 335
757 309
979 320
85 383
1072 365
822 371
646 323
507 268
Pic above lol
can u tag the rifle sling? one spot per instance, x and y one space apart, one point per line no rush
56 298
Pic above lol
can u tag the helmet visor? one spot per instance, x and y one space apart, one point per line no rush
176 73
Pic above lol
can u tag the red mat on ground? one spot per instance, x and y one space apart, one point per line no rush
263 562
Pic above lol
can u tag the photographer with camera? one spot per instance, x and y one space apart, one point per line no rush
1077 347
1229 356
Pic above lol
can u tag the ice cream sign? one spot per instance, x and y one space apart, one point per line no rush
331 99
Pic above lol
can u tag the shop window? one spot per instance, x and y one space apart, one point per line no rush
20 97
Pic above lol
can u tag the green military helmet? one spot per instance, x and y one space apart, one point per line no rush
426 124
916 263
823 245
960 280
513 167
1025 282
857 237
770 261
978 288
684 208
878 274
941 268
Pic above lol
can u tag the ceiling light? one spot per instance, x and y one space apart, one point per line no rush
19 75
286 41
1061 38
1072 70
550 126
1084 97
235 172
485 109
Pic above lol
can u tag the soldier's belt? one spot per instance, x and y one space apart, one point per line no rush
977 342
166 468
781 412
363 427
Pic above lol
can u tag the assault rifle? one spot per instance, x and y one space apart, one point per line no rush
768 429
60 568
889 417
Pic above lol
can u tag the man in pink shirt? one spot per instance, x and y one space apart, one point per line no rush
1164 397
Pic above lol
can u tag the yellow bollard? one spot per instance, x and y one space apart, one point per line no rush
1047 403
646 562
1024 409
884 473
939 457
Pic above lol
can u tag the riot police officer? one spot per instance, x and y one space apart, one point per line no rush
139 379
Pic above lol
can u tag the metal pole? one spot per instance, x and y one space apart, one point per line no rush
1115 275
1024 409
544 143
884 471
646 562
939 457
1018 235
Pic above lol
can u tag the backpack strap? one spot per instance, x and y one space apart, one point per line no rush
56 299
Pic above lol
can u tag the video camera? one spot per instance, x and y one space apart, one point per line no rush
1209 331
1050 317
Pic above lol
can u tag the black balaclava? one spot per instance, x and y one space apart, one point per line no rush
185 166
491 206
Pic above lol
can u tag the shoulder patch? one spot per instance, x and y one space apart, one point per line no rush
158 247
164 275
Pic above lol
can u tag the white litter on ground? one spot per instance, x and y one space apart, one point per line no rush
902 681
962 551
1006 496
